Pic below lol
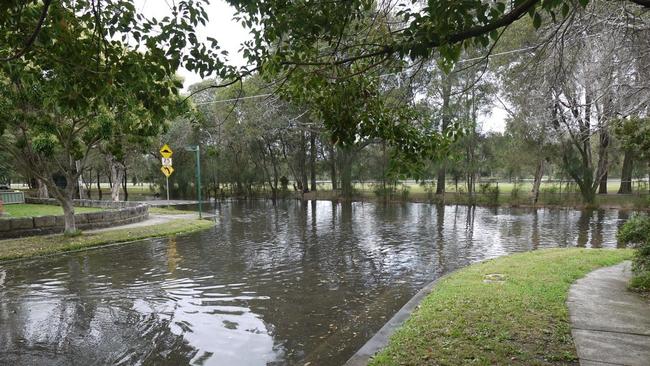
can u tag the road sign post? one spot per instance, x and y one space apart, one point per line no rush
166 168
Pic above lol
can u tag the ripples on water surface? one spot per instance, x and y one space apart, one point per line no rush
296 283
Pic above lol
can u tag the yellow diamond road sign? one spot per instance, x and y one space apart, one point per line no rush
166 151
167 170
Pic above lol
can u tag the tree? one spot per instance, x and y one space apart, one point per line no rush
634 134
293 34
570 89
78 85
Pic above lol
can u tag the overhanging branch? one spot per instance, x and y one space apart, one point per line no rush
32 38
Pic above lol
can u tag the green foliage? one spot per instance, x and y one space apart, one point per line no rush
641 282
636 231
284 183
72 233
634 135
491 192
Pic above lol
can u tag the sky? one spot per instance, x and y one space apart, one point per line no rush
231 35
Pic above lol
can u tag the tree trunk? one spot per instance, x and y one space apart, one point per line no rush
602 186
124 186
80 181
312 160
333 176
345 167
588 193
604 160
99 186
440 185
42 189
117 175
626 173
302 161
68 214
446 120
539 173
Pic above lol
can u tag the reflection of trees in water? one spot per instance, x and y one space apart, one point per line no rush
319 277
83 319
622 217
534 236
583 228
597 230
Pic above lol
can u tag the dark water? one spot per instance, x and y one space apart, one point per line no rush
296 283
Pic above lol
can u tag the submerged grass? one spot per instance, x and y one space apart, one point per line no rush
506 311
51 244
167 211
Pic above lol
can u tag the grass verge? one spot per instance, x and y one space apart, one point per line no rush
518 318
166 211
50 244
34 210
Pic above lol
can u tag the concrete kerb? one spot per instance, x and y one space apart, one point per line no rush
380 340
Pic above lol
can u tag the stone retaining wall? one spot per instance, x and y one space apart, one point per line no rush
117 213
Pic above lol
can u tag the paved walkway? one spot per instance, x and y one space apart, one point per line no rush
610 325
152 220
162 203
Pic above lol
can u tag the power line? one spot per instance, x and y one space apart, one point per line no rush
383 75
234 99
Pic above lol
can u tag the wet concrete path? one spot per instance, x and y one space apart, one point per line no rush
610 325
152 220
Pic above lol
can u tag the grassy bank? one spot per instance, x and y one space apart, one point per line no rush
50 244
507 311
34 210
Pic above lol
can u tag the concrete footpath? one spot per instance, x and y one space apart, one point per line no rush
152 220
610 325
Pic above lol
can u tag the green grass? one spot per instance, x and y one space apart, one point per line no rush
50 244
522 320
167 211
33 210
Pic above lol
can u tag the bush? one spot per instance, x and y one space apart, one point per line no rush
636 231
641 282
382 192
405 193
490 192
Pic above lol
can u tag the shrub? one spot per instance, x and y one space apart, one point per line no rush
491 193
636 231
641 282
382 192
405 193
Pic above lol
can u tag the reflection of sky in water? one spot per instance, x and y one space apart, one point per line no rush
290 284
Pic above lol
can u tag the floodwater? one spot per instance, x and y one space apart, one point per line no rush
294 284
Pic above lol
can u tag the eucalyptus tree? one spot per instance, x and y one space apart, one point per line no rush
570 82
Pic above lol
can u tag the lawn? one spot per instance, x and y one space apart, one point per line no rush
33 210
50 244
507 311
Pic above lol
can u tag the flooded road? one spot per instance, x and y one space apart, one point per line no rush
292 284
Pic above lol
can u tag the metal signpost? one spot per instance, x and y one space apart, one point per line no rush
197 150
166 153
